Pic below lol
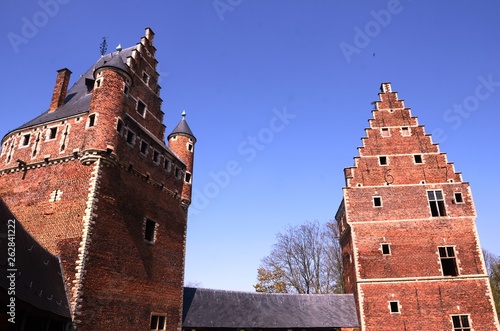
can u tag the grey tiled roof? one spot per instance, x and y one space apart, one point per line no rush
206 308
182 127
77 99
39 280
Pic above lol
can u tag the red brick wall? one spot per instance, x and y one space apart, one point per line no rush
411 273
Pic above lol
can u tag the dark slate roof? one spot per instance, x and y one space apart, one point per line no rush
39 279
182 127
206 308
77 99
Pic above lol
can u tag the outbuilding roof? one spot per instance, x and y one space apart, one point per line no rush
207 308
38 278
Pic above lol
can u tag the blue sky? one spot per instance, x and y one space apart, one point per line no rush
278 94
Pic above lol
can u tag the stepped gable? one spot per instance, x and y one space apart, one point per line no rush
393 144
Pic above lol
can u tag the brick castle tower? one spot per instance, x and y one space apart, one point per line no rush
410 247
94 182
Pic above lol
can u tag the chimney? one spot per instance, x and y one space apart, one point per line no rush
60 89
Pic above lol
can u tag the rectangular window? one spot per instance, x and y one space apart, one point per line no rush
382 160
156 156
91 120
149 232
461 323
145 77
167 165
26 140
385 132
417 158
188 177
436 202
141 108
458 197
144 147
448 260
405 131
52 133
130 137
394 307
386 249
119 126
178 173
157 322
377 201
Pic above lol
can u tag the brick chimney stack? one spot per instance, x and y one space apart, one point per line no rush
60 89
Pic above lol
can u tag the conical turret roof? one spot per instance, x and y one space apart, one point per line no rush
182 128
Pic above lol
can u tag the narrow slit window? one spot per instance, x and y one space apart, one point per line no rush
418 158
458 197
461 323
188 177
448 260
394 307
436 203
386 249
377 201
382 160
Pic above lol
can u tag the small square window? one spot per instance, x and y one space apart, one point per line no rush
385 132
377 201
149 231
386 249
158 322
144 147
52 133
417 158
405 131
382 160
141 108
458 197
394 307
26 140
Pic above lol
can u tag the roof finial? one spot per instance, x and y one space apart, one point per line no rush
183 113
119 47
104 46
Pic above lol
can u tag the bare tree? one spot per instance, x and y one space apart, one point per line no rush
308 259
493 269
